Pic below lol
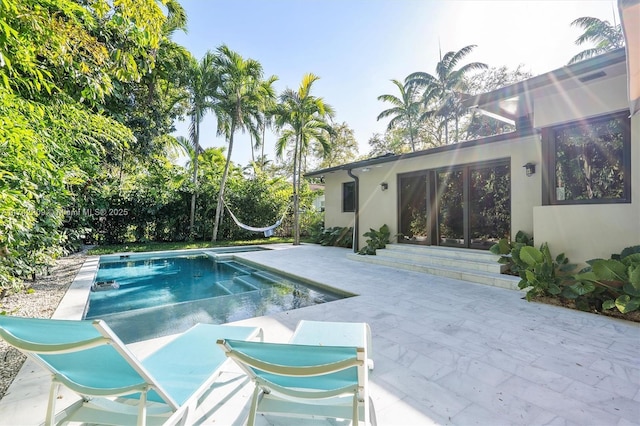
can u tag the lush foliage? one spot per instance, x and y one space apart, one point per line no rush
544 275
61 63
337 236
343 147
509 252
45 170
376 239
610 283
605 284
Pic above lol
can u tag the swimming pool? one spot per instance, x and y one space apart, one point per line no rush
142 296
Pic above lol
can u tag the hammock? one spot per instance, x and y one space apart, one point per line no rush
267 230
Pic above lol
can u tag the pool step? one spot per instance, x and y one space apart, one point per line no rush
241 284
243 269
266 276
230 287
464 264
262 280
220 257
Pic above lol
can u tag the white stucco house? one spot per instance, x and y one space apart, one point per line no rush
569 174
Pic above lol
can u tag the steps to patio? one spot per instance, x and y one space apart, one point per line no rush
476 266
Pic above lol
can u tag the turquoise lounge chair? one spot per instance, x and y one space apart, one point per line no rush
323 372
88 358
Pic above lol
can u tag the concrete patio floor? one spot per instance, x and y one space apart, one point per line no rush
446 352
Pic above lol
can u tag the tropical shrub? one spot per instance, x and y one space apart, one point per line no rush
337 236
509 252
311 224
543 275
260 201
610 283
604 284
56 68
44 166
376 240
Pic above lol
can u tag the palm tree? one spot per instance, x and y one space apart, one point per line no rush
182 146
302 119
238 97
406 109
445 88
202 81
185 146
267 107
605 36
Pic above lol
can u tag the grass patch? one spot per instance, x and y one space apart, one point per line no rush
154 246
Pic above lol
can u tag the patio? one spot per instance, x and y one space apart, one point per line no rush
446 352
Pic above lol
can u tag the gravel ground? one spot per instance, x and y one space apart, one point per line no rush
39 302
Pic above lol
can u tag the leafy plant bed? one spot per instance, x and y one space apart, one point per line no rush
607 286
571 304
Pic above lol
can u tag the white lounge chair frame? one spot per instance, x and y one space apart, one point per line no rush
163 389
317 359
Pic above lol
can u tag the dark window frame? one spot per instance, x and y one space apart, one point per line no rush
348 197
433 199
549 196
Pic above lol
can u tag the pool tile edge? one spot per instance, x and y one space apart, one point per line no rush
73 304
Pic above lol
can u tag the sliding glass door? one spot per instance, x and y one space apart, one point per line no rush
489 205
466 206
451 207
474 205
414 226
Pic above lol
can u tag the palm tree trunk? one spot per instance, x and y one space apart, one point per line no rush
413 144
264 127
446 131
192 215
296 234
301 158
253 157
220 205
457 135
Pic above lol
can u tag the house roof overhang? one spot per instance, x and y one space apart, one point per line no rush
630 18
389 158
511 102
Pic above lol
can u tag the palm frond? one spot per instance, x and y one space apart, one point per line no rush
390 112
419 79
394 100
601 33
459 55
585 54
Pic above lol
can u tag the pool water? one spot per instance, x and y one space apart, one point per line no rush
146 297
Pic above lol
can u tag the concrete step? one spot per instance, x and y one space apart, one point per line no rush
451 252
467 265
483 262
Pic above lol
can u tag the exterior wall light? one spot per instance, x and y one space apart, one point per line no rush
384 186
530 169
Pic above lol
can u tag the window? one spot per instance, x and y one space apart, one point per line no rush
589 161
349 197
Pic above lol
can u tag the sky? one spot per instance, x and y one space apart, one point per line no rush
357 46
